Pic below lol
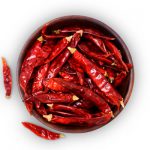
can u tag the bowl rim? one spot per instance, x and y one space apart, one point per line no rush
99 23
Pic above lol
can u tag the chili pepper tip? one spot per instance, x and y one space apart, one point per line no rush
69 38
122 103
50 105
48 117
72 50
40 39
3 61
75 98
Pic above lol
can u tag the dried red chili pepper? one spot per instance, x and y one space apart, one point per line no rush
38 81
116 53
120 77
33 58
56 98
67 76
37 103
85 30
111 74
29 106
51 36
41 132
96 55
57 64
86 94
60 60
130 66
80 73
61 45
95 74
97 41
52 85
78 120
78 111
61 113
7 77
83 104
41 110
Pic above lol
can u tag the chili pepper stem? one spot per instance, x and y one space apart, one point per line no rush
113 64
69 38
40 39
111 80
48 117
61 135
75 98
72 50
122 103
106 74
57 31
50 105
112 115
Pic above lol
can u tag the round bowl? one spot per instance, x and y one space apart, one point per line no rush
125 89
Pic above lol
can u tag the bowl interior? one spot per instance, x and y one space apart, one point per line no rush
125 89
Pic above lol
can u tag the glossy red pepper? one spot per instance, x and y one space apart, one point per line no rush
33 58
85 30
95 74
67 76
57 64
96 55
52 85
83 104
41 110
111 74
113 49
61 45
119 79
79 71
130 66
61 113
29 106
77 111
41 132
86 94
97 41
56 98
39 77
62 58
7 77
78 120
53 35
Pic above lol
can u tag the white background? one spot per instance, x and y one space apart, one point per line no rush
131 19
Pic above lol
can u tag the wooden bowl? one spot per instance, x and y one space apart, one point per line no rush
125 89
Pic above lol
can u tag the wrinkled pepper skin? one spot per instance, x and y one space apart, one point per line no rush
95 74
33 58
105 118
86 94
41 132
56 98
7 77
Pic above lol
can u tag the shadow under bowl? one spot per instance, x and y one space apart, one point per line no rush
125 89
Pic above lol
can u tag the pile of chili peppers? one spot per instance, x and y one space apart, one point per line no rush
70 76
